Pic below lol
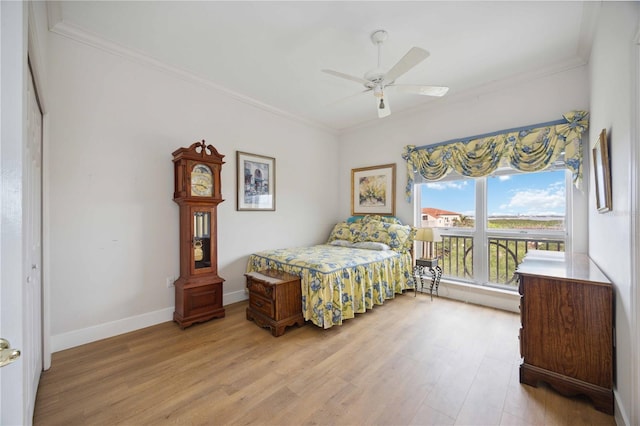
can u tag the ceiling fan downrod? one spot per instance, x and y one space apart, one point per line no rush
376 75
378 37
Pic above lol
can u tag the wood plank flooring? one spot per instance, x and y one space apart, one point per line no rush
408 362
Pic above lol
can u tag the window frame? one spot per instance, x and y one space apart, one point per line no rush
481 232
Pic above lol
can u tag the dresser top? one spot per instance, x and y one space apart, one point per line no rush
553 264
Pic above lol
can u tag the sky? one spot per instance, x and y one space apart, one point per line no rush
526 194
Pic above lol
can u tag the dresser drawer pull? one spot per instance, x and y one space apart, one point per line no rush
258 303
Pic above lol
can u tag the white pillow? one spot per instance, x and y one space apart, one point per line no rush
341 243
371 245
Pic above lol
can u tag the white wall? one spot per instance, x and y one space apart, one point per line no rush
114 226
610 233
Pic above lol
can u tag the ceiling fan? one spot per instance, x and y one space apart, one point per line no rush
377 81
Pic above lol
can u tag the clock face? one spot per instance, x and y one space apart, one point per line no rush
201 181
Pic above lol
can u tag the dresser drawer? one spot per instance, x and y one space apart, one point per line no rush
520 339
262 305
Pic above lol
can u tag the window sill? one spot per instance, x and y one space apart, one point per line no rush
480 295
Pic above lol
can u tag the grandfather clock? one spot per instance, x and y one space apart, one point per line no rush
198 193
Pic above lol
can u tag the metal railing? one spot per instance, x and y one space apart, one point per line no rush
505 254
456 256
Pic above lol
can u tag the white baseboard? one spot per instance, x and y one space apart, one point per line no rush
79 337
236 296
621 416
60 342
498 299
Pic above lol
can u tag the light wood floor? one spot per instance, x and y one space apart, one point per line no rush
410 361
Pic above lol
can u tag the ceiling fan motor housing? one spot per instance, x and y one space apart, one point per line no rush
375 76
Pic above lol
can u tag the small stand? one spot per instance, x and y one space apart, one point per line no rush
422 265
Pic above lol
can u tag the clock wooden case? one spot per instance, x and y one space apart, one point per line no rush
198 193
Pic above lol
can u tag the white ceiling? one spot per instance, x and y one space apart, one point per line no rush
271 53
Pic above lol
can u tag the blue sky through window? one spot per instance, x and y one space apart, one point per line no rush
526 194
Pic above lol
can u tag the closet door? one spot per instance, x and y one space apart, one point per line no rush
32 193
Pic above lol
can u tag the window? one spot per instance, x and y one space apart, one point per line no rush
488 224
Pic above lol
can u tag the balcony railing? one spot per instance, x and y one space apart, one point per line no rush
456 256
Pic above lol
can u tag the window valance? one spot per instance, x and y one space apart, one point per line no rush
528 149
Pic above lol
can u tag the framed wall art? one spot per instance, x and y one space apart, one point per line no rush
256 182
602 173
373 190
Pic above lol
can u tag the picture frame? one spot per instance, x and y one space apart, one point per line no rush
373 190
255 182
602 173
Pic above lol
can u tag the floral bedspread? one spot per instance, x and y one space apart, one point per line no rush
338 282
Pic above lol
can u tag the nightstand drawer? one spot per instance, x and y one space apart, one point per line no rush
259 287
261 304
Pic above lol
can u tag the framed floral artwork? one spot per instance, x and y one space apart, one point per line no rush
373 190
256 182
602 173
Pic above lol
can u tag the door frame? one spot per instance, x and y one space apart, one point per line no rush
635 228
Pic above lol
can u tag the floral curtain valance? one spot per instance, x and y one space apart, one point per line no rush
527 149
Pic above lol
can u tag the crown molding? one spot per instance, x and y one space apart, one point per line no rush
58 26
80 35
54 14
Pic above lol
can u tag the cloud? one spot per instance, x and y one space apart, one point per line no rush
441 186
503 178
528 202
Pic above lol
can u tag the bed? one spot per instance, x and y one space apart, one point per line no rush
365 261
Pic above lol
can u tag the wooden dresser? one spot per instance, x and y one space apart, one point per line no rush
567 333
275 300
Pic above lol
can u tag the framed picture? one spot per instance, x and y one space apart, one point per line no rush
373 190
256 182
602 173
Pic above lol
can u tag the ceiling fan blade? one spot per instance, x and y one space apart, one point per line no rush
421 90
347 98
347 76
382 104
413 57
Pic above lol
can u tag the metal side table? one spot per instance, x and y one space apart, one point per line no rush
424 268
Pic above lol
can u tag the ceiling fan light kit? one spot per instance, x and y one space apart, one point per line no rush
376 80
383 107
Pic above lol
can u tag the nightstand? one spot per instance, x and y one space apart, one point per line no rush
430 267
275 300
